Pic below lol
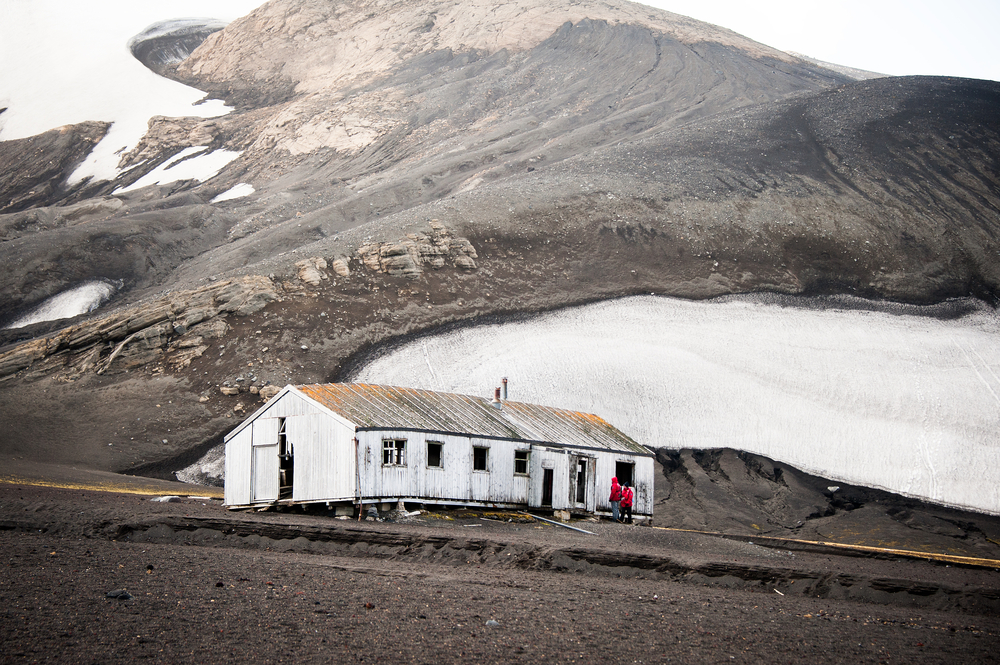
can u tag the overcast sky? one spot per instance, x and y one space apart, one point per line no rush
947 38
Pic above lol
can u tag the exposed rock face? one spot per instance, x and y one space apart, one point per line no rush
408 256
141 334
36 168
311 271
170 42
167 135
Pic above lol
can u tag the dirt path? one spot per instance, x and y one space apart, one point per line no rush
216 586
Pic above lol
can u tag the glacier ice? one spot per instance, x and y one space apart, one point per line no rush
900 398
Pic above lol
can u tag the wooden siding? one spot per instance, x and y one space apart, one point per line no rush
264 473
252 475
642 503
324 457
455 480
644 473
237 490
549 458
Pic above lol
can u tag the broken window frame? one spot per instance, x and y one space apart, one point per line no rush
284 450
522 458
440 455
393 452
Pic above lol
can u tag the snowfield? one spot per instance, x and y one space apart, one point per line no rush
75 301
901 398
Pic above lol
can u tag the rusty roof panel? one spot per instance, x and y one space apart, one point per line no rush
390 407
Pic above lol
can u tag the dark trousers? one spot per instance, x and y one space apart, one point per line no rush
627 514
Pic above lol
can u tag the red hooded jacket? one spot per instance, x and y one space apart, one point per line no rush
626 497
616 490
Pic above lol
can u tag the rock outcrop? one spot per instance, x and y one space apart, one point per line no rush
36 169
143 333
409 256
312 271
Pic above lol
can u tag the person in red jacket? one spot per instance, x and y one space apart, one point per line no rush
615 499
626 504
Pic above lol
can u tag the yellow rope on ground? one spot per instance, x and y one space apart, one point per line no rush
121 488
947 558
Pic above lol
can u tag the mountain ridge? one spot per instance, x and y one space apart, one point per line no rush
443 185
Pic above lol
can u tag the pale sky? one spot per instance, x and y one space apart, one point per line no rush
953 38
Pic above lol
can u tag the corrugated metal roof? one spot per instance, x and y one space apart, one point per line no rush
389 407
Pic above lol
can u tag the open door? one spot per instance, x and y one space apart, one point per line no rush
545 484
264 471
582 482
286 462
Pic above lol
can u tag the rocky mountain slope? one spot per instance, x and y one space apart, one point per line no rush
416 165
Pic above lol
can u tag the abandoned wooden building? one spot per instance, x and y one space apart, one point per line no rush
350 445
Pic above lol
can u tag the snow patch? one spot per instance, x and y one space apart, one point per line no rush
79 300
237 191
192 163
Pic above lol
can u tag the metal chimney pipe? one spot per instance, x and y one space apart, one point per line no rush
505 388
496 398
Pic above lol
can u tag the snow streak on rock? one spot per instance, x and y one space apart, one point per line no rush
78 300
237 191
193 163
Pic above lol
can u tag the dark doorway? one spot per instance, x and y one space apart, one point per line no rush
286 462
581 480
547 487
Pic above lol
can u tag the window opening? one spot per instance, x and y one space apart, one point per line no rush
480 459
521 462
286 462
394 452
434 454
624 472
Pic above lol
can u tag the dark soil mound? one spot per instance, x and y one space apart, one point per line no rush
112 577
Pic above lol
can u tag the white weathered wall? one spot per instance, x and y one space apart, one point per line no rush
237 487
642 481
324 458
557 460
455 481
323 452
